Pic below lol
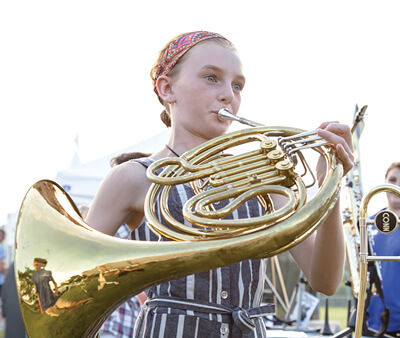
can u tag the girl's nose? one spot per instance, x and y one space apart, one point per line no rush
226 94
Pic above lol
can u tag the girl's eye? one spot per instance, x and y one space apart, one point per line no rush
210 78
237 86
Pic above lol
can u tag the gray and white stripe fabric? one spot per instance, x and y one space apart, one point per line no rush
223 302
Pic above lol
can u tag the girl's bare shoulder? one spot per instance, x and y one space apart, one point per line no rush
130 175
120 198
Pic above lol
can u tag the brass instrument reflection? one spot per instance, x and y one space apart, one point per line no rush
50 302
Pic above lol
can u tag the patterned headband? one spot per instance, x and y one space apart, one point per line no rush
177 48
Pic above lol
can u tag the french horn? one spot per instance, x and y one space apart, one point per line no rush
95 273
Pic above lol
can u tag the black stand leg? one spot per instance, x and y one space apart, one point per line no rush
327 330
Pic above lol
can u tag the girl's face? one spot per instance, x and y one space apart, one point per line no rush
210 78
393 177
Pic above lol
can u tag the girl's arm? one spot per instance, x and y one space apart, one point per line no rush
321 256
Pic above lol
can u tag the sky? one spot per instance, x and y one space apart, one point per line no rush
74 75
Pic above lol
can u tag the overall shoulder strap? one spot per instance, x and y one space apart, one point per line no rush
144 161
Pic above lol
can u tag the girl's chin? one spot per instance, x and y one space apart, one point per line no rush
221 128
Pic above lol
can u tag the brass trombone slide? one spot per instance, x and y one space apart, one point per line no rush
364 257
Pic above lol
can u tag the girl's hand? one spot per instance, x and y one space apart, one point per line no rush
339 135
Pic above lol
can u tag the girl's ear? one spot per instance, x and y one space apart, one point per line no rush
164 89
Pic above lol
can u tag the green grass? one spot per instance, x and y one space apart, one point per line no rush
337 314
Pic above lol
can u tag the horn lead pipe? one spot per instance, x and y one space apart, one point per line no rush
226 114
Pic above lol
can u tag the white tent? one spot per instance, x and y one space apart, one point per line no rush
82 181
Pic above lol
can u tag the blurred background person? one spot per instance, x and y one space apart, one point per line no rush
124 157
3 268
14 326
387 245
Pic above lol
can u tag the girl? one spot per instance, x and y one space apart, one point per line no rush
196 75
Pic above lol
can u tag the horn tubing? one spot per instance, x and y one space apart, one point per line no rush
225 113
